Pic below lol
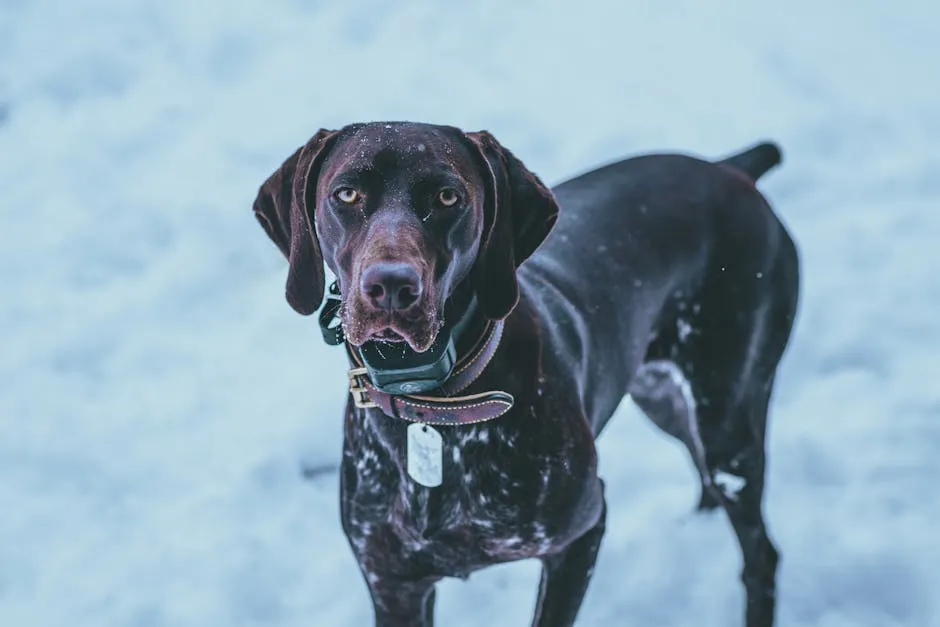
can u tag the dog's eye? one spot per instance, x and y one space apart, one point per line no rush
346 195
448 197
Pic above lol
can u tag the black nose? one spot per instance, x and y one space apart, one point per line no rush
393 286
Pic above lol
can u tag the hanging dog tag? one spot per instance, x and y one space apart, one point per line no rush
425 455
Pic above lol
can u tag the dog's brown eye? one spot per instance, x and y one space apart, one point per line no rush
448 197
346 195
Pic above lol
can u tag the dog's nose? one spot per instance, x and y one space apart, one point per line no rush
393 286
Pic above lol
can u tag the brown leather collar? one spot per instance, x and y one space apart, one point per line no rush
439 410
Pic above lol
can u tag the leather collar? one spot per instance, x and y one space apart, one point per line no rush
448 408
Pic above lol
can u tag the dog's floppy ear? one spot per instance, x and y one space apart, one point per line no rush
519 213
282 209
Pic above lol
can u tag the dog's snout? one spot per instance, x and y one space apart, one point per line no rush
392 286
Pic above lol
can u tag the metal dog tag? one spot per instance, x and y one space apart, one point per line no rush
425 455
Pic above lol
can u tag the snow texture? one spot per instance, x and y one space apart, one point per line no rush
158 397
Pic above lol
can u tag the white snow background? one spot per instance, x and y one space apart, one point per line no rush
158 396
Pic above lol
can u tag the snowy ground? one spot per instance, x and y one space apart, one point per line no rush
158 396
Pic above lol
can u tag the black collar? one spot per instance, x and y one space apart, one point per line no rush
400 370
332 335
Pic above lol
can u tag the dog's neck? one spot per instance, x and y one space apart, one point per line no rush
461 306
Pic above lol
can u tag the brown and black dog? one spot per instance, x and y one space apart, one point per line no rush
665 277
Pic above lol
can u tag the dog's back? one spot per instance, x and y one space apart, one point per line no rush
635 244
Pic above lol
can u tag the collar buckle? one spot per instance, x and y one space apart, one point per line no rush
358 389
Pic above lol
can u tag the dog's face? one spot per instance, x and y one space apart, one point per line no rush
399 217
403 214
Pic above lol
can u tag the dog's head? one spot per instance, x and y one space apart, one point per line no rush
403 214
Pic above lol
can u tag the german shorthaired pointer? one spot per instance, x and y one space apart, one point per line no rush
493 326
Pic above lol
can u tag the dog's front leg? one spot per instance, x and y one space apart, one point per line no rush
565 577
400 603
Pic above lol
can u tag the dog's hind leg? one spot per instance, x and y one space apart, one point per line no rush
729 456
707 381
735 457
662 392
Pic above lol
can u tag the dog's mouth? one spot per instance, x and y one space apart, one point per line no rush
362 324
387 334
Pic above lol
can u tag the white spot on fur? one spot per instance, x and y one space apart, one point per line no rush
415 543
360 539
661 379
730 484
541 537
474 434
367 461
684 328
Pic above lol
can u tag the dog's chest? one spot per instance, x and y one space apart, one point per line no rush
495 503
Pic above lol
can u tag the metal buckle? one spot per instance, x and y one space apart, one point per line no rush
360 393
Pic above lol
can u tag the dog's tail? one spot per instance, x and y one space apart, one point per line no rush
756 160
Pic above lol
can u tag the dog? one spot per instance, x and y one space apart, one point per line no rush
493 326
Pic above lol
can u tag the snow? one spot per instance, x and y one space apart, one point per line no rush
158 397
